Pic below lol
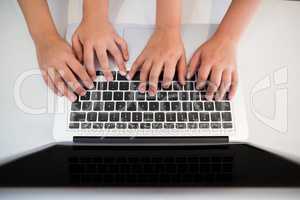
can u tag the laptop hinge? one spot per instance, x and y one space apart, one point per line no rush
151 140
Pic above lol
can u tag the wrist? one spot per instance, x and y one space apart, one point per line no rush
45 39
226 39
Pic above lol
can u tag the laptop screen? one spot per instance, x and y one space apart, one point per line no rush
208 165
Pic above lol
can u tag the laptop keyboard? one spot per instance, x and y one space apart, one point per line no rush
119 105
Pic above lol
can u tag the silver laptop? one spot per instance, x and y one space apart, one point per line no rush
116 113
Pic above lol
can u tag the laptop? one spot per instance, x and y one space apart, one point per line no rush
115 113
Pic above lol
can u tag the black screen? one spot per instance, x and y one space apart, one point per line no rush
211 165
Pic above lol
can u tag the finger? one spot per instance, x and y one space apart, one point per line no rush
194 64
144 74
71 81
61 86
116 54
89 60
77 47
181 69
135 66
104 64
154 77
169 72
214 83
234 84
50 84
80 71
225 85
124 47
203 74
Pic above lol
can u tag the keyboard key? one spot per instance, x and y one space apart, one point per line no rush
136 76
133 125
121 125
215 116
86 97
180 125
137 116
203 125
114 73
183 96
150 98
86 106
95 85
102 85
124 85
125 116
76 106
192 125
114 116
194 96
77 116
227 125
96 96
182 116
168 88
215 125
203 98
92 117
153 106
148 116
110 125
157 126
121 78
98 106
118 95
107 96
109 106
162 96
204 116
198 106
97 125
226 116
222 105
86 125
189 86
134 85
193 116
120 106
172 96
169 125
131 106
209 106
102 116
160 117
175 106
139 96
171 117
165 106
129 96
142 106
187 106
112 85
74 125
145 125
177 86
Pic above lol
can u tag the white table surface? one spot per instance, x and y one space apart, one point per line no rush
271 42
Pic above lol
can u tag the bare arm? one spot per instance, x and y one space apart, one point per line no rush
215 60
56 60
164 50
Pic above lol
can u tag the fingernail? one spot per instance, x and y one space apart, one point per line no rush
59 94
91 86
122 73
152 92
142 88
188 75
72 98
83 93
109 78
128 77
208 97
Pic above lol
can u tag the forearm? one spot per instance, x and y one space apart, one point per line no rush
168 14
95 10
236 19
39 20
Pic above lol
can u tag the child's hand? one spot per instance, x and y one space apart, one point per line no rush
163 52
59 66
101 38
216 60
